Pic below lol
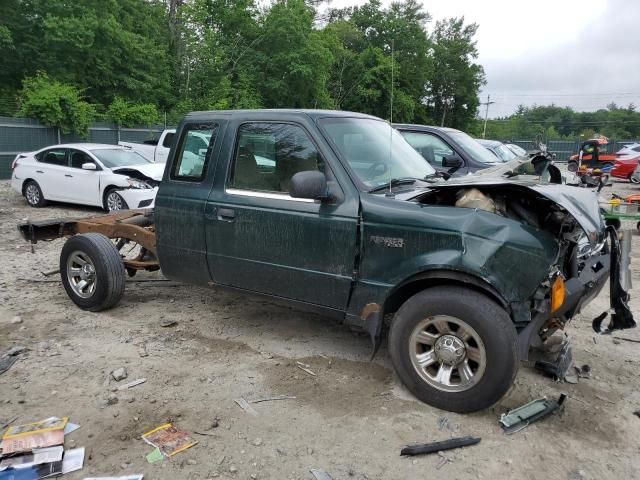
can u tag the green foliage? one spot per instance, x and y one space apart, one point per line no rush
55 104
179 55
127 114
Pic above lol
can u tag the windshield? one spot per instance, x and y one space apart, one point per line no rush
473 148
374 151
117 157
518 150
503 153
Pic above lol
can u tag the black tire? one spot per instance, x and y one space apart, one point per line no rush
572 166
33 194
492 325
105 201
109 276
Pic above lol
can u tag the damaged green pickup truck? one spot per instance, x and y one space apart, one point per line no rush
334 211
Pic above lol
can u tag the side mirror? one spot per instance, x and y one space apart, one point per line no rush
452 161
309 184
89 166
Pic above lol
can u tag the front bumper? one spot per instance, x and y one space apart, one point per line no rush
611 263
139 197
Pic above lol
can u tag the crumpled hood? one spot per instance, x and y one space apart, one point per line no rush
151 170
581 203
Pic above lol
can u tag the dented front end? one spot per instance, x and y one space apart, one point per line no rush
541 250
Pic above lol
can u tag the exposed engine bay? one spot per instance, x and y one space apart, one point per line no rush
138 175
587 250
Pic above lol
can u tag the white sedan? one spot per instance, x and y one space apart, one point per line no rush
107 176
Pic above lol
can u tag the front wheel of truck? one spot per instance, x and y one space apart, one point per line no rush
454 348
92 271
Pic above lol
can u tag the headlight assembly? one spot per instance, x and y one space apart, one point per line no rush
133 183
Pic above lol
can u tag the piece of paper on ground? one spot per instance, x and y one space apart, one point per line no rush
73 460
169 439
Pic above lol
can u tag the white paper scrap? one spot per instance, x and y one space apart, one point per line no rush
73 460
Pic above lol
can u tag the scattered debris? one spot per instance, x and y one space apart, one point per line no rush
6 363
73 460
206 434
571 377
138 476
13 351
637 413
305 368
119 374
168 323
142 350
434 447
9 422
243 404
443 460
257 442
154 455
634 340
583 372
70 427
50 273
270 399
521 417
16 320
444 423
169 439
24 438
37 456
132 384
556 359
604 399
320 474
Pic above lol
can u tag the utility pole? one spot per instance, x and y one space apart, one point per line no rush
486 114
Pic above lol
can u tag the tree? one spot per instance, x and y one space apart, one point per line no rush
56 104
294 60
108 48
452 89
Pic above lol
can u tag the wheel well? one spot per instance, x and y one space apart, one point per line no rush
106 191
412 286
24 184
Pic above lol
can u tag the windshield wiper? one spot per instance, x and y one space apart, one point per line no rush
394 182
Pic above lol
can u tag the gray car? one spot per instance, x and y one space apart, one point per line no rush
499 149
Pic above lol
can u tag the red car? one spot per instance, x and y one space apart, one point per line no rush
623 168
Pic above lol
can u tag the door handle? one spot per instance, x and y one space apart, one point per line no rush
39 171
67 175
226 214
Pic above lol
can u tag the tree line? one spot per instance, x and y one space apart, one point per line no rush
554 122
135 61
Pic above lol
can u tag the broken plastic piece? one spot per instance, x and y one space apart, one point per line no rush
559 366
523 416
423 448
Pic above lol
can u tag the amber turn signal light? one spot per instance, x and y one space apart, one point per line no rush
557 293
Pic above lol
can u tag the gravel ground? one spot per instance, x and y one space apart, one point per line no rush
350 419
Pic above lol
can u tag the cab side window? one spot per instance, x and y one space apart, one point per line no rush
193 156
267 155
431 147
55 156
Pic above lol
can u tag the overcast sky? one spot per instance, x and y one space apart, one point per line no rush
580 53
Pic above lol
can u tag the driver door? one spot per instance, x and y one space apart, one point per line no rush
261 239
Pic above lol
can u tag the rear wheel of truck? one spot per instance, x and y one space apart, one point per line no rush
92 271
572 166
454 348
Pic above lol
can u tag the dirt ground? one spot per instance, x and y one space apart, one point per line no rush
350 419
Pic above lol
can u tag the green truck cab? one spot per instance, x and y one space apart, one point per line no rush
335 212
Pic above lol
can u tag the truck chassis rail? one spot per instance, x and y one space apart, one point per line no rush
132 225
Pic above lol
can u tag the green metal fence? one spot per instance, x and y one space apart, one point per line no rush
19 135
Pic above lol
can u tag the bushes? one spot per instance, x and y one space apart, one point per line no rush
127 114
55 104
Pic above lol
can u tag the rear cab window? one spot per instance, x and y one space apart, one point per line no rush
193 157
